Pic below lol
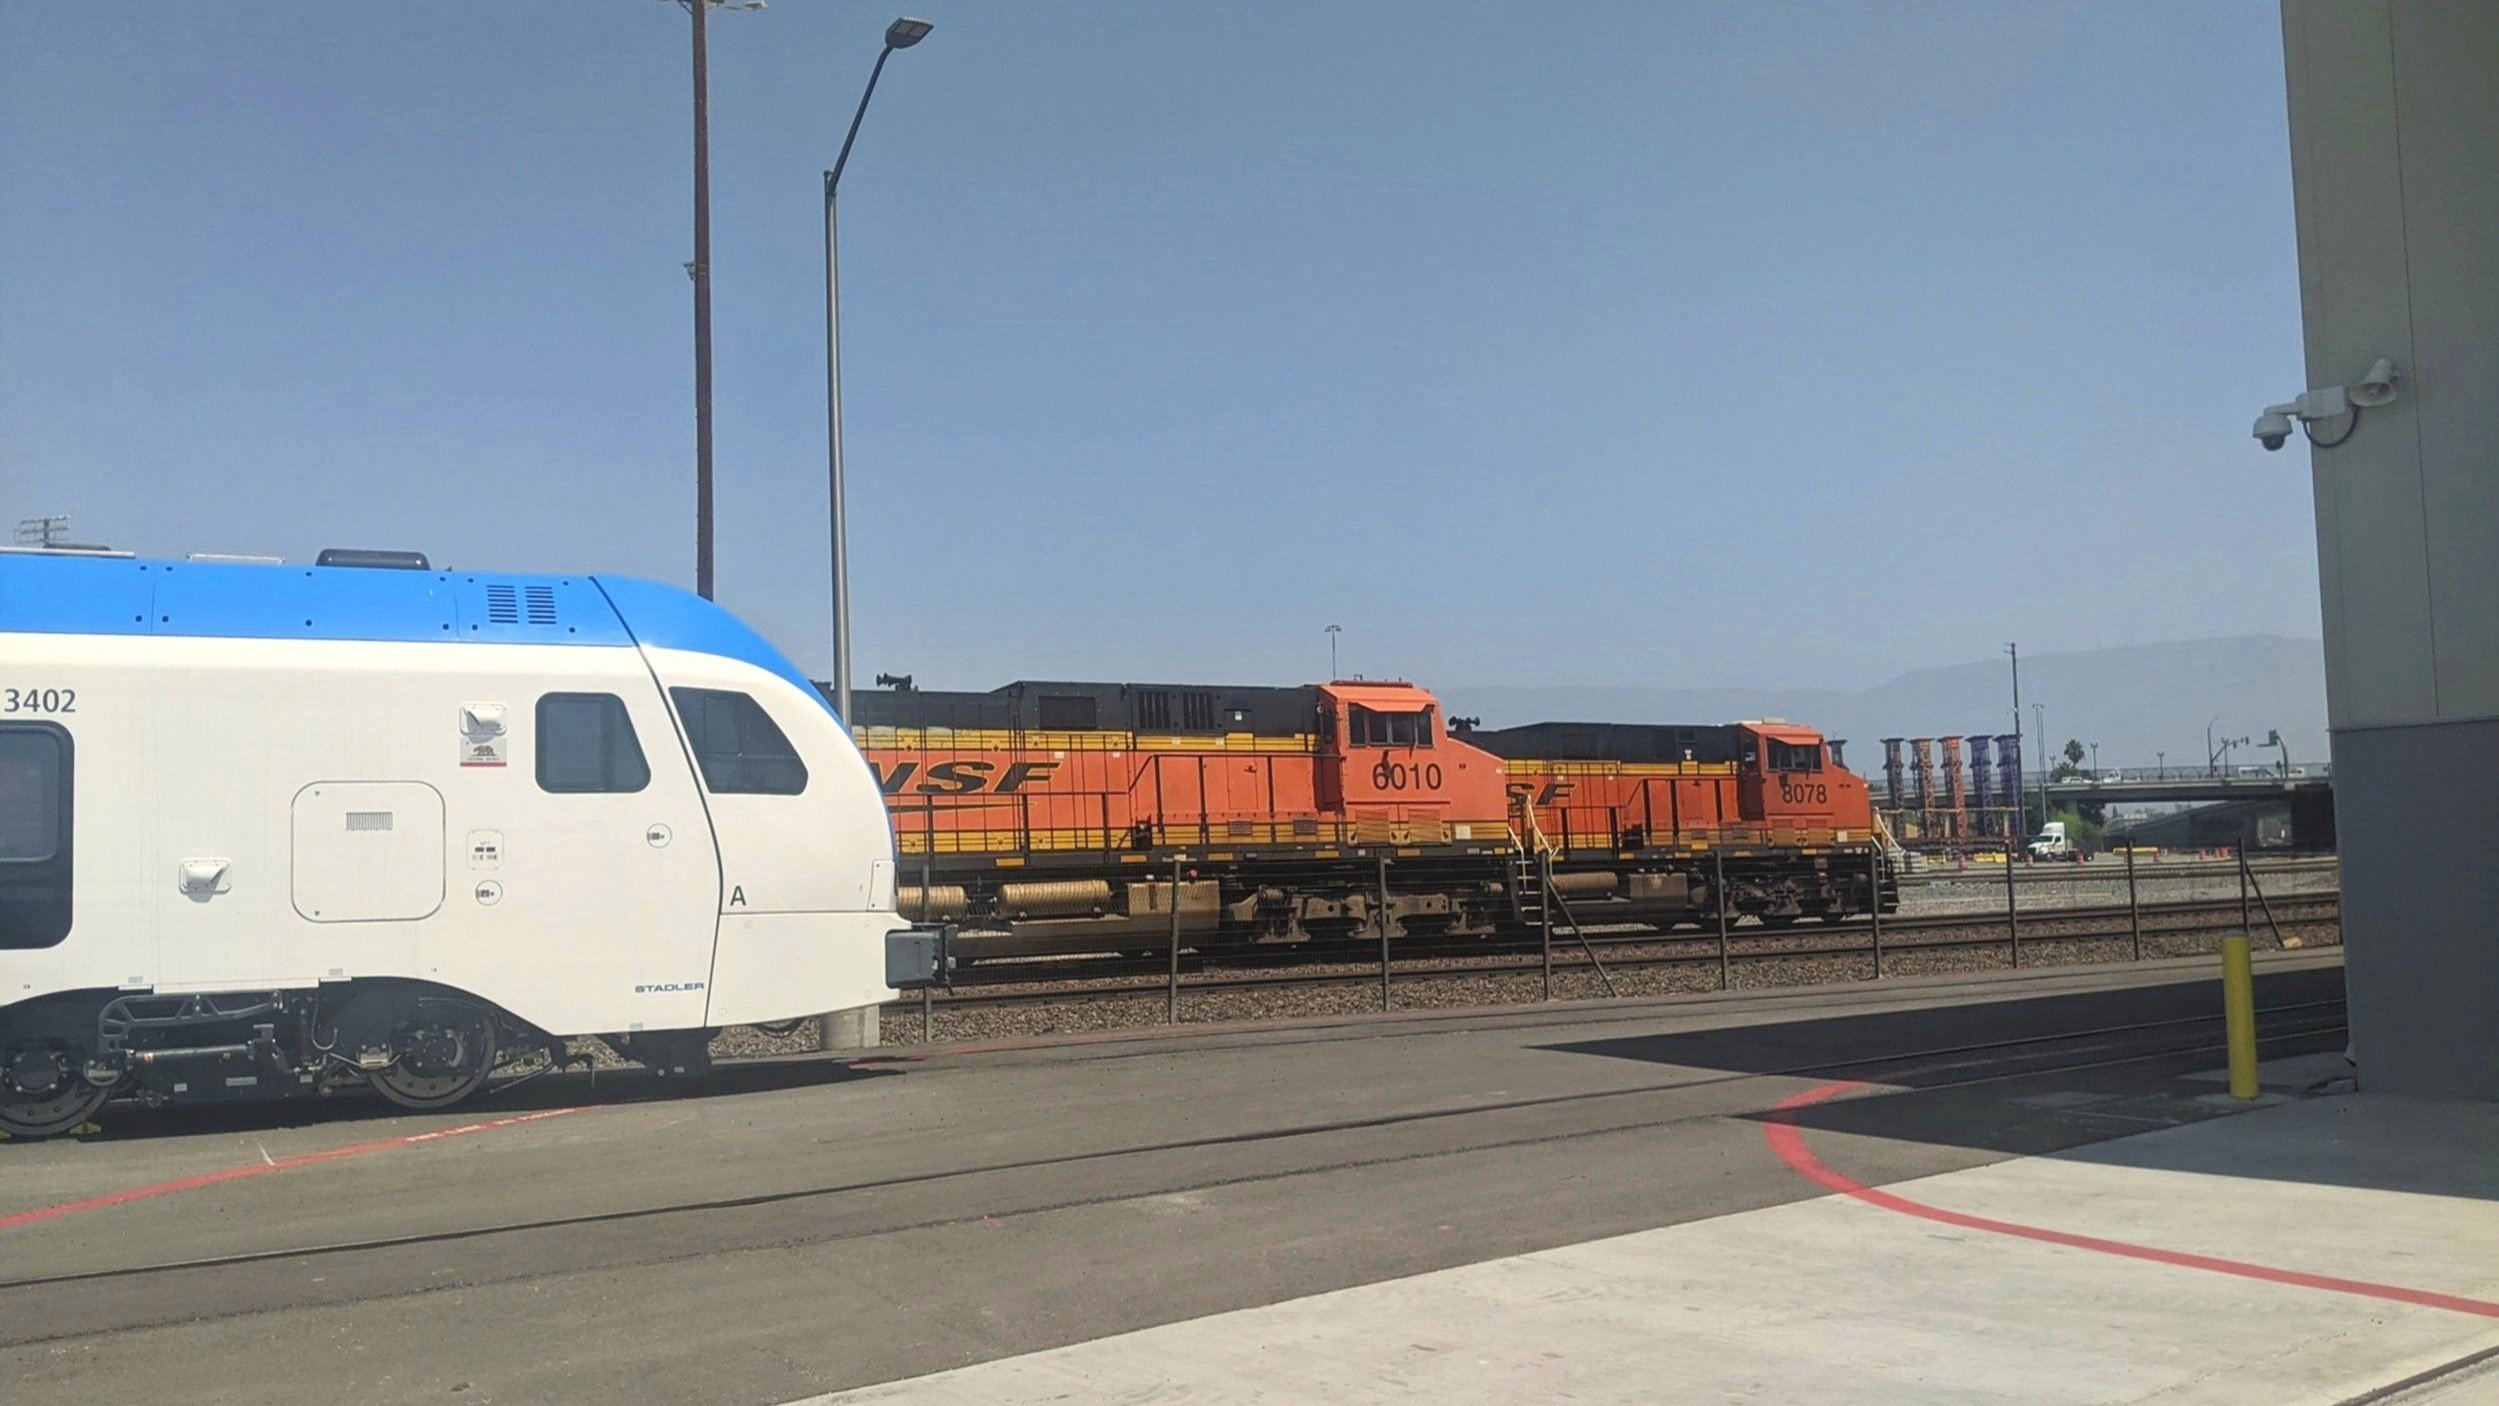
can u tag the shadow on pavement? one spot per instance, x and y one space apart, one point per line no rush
1982 1077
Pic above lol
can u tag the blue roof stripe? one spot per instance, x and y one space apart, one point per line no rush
61 594
668 618
58 593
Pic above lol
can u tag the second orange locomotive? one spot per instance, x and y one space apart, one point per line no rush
1049 816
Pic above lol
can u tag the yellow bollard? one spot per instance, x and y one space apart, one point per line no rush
2238 1012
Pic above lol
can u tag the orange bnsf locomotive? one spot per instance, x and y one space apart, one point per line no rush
1059 817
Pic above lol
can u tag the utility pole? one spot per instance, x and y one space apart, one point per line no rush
701 269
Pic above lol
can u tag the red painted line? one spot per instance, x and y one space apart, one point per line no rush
1788 1141
262 1169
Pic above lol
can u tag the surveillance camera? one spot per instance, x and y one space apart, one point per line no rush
2378 387
2273 428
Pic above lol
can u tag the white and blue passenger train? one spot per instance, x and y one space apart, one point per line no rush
279 829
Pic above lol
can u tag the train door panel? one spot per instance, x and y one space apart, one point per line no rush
1328 777
589 851
1748 778
1241 794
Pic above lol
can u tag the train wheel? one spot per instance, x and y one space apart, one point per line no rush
42 1094
445 1055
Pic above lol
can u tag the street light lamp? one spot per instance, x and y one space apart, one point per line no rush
901 34
1333 632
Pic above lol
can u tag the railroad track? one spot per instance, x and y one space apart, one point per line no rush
2106 872
1090 979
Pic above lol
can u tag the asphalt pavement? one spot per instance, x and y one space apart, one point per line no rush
806 1227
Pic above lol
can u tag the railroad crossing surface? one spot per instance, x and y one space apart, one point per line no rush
1968 1189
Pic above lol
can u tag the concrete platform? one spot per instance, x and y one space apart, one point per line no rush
1837 1300
811 1228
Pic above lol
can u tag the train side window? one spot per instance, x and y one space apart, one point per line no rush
741 750
586 744
35 814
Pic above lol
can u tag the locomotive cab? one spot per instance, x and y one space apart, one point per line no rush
1790 780
1385 757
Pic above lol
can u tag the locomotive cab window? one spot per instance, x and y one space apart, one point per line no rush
35 797
586 744
1373 728
1791 756
738 746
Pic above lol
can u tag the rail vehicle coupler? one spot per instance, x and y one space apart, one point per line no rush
918 958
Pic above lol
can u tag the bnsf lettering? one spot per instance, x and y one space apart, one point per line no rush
962 778
1554 792
954 778
1021 772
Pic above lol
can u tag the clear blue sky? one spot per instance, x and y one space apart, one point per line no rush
1618 343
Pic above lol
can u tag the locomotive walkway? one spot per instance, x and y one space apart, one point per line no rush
2009 1188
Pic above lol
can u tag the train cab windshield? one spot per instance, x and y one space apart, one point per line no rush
1795 756
1373 727
738 746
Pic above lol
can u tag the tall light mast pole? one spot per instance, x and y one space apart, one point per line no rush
2021 822
901 34
2039 715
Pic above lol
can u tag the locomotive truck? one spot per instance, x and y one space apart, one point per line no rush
1061 817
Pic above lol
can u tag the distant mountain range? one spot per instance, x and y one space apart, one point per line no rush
2135 701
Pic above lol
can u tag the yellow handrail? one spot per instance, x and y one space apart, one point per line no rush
1535 841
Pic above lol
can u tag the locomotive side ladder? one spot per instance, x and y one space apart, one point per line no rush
1534 900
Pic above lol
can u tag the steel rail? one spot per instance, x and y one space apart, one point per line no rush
1081 986
1992 874
1003 971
